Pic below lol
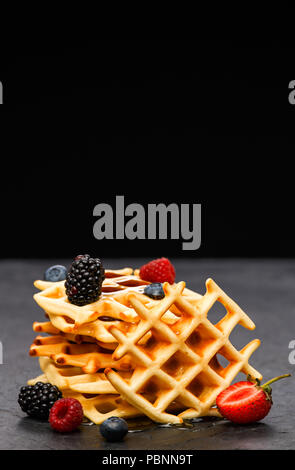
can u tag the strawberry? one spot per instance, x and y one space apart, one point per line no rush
247 401
158 270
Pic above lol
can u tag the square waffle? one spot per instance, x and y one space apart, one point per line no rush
179 362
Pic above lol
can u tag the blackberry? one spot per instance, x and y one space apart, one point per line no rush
37 400
84 280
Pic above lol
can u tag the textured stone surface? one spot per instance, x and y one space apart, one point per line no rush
263 288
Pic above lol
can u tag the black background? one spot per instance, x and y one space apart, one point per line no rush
157 121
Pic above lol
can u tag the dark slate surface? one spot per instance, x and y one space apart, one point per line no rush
263 288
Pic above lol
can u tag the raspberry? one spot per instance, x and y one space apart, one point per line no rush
66 415
158 270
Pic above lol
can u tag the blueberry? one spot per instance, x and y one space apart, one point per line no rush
154 291
55 273
114 429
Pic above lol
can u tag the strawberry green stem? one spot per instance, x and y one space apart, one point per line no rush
275 379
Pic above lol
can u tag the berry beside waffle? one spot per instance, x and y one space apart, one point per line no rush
127 354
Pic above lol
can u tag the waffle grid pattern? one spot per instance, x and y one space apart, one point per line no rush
155 358
201 378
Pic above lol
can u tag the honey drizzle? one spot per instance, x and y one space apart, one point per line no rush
122 284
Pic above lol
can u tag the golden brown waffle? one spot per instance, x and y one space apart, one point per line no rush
179 362
100 407
113 303
113 300
73 378
96 394
164 352
96 407
39 378
47 327
96 329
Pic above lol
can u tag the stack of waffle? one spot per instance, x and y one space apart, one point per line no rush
128 355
